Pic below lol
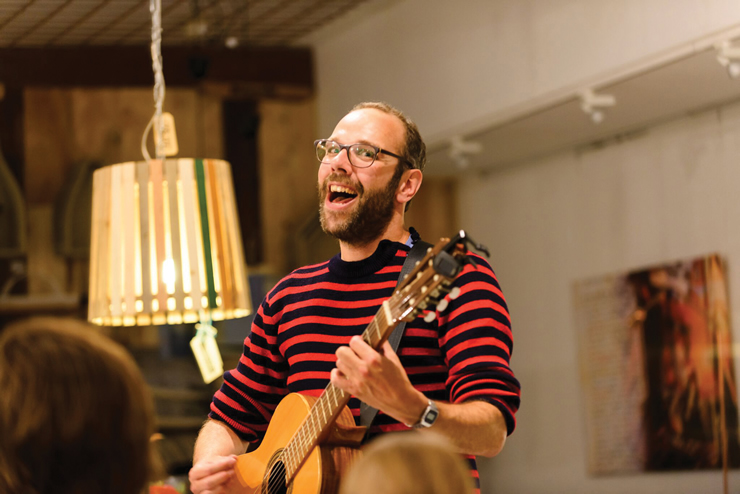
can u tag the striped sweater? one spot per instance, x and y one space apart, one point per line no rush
462 355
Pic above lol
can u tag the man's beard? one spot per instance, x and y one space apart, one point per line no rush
370 217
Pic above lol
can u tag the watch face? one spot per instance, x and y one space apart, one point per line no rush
430 417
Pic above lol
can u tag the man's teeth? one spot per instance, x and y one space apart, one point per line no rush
344 190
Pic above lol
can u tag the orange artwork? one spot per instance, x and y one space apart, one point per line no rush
657 371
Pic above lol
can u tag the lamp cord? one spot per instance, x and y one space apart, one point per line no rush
155 7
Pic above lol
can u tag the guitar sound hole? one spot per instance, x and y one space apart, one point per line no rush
275 479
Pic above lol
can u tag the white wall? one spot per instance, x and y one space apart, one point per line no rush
665 195
669 194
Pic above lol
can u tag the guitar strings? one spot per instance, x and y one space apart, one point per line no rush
304 443
273 483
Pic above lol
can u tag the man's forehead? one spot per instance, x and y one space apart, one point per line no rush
371 125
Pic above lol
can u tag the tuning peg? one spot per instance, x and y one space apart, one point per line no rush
430 316
454 293
442 305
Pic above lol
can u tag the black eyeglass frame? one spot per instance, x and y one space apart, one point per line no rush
348 146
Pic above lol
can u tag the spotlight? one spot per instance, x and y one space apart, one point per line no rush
460 149
733 70
592 104
728 55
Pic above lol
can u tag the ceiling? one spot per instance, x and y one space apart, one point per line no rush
44 23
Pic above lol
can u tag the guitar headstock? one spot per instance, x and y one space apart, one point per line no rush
426 287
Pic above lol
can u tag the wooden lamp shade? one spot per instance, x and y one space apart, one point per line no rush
165 244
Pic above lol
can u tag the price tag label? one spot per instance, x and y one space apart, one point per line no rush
169 136
207 354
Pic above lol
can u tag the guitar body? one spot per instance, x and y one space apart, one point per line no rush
259 472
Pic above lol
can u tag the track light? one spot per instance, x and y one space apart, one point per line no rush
593 104
460 149
728 55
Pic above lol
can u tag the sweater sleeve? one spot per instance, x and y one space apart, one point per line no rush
251 392
476 341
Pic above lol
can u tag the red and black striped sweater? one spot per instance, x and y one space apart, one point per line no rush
462 355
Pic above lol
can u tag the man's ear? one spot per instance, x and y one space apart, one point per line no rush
409 186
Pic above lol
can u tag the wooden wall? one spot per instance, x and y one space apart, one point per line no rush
66 127
288 174
433 211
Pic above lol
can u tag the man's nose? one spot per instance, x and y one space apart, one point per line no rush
341 162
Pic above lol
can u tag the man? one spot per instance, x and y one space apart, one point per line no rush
306 331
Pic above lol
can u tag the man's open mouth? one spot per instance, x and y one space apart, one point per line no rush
339 194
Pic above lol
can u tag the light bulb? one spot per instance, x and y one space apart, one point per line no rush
168 274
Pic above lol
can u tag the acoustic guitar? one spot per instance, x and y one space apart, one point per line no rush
310 441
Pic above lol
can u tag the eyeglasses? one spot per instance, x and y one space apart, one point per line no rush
360 155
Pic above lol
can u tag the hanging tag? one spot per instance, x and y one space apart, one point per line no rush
169 136
206 353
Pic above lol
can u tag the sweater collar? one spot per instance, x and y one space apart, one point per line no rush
386 250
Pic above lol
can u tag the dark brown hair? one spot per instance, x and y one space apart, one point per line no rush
75 415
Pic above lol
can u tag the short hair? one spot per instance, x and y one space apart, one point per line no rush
415 152
407 463
76 414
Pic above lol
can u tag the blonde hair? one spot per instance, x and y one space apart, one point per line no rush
76 415
409 463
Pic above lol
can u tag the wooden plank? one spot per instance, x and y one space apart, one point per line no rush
223 283
129 239
205 220
142 178
157 208
241 126
172 193
187 183
97 245
12 136
116 262
242 298
266 67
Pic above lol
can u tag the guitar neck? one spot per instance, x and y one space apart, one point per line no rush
326 409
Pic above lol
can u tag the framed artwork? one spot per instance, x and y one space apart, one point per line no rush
655 352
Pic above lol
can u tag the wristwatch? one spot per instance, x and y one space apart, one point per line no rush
428 417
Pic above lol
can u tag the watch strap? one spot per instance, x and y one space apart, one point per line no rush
428 417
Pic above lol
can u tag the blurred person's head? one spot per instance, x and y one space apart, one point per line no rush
75 414
408 463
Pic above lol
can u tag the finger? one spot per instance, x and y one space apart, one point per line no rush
389 353
340 380
212 484
347 357
362 349
210 467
